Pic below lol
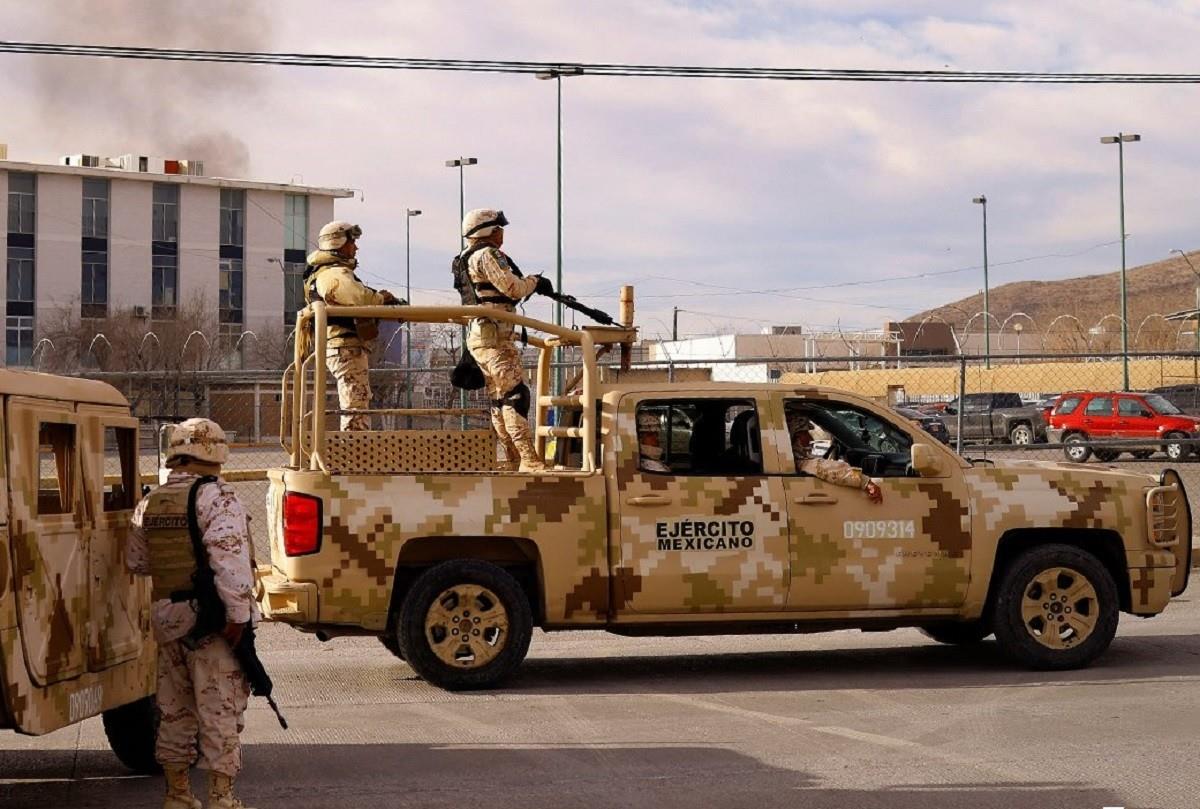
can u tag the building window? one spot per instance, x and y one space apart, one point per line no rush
93 297
164 296
233 216
20 275
295 222
232 283
95 208
230 345
293 290
22 202
165 216
18 334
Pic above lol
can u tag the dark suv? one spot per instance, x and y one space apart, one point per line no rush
999 417
1082 418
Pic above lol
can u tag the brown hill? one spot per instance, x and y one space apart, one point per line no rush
1160 288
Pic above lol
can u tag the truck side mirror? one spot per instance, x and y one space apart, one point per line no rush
926 461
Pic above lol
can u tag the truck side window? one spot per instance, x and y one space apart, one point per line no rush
699 437
846 433
56 453
121 474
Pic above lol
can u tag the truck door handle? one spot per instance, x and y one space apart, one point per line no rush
816 499
649 500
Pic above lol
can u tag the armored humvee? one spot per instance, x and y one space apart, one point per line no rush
415 536
74 624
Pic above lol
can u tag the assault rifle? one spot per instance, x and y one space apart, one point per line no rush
210 609
569 301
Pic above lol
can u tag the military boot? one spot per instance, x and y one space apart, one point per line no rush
179 788
220 793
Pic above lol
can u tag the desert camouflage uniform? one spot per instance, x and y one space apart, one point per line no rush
493 345
202 691
838 473
346 355
648 427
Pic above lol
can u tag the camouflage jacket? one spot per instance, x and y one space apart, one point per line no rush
838 473
491 275
226 532
333 280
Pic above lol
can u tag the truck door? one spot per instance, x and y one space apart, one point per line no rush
703 527
49 543
911 550
119 603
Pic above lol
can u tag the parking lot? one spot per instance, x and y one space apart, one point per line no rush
843 719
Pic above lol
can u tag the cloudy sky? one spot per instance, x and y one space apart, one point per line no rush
743 203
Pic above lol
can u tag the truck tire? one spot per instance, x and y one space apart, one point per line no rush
131 730
1142 454
1075 450
1056 608
390 643
1176 452
1107 455
957 633
465 598
1021 434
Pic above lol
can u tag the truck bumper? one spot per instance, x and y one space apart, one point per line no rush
284 600
1054 435
1150 581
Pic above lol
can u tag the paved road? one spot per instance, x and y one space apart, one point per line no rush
843 719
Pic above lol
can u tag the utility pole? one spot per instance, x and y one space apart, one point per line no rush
674 324
987 327
1121 139
409 213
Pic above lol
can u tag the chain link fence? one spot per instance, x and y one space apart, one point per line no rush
1008 422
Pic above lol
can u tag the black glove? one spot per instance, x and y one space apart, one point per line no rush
544 287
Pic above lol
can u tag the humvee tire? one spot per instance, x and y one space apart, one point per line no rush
472 596
958 633
389 642
131 730
1056 608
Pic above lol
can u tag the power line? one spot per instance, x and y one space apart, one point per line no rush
592 68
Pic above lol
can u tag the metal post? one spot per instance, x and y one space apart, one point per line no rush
1124 294
462 330
987 326
1196 332
409 213
675 324
962 394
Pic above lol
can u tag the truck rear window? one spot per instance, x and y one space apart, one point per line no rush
1067 405
699 437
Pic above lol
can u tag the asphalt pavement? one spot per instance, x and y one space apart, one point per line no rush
844 719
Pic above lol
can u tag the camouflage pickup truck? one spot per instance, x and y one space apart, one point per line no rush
415 537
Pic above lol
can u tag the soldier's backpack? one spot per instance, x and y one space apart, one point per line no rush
462 276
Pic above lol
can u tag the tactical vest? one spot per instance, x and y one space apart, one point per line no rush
311 294
165 524
475 292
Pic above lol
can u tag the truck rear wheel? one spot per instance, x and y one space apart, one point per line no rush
131 730
957 633
465 624
1056 608
1177 451
1076 450
1021 434
390 643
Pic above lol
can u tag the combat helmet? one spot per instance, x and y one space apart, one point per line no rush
200 439
480 223
336 234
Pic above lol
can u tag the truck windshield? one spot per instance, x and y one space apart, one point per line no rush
1162 406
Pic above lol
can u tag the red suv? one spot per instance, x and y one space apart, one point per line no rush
1082 417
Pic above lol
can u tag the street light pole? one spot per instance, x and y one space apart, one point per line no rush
459 163
409 213
987 327
1121 139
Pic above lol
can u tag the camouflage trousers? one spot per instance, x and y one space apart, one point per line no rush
349 366
492 346
202 696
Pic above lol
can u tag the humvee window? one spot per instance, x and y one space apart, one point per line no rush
121 474
56 449
699 437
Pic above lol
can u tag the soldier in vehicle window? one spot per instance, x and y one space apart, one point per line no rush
649 449
838 473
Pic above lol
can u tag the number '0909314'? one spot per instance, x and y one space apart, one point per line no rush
879 529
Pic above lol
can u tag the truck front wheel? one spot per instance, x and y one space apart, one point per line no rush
1056 608
131 730
1021 434
465 624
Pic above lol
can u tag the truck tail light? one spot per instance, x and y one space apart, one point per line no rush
302 522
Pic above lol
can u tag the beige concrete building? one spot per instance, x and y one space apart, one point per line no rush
97 236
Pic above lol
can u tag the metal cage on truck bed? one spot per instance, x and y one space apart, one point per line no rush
305 389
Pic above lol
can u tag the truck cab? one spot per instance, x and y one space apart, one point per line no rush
74 623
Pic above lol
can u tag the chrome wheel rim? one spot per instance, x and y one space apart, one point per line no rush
466 626
1060 608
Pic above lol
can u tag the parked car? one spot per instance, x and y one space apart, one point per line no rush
929 423
1081 418
1046 404
1185 397
999 417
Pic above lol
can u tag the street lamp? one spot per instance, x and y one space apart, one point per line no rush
1195 318
1018 328
409 214
1121 139
987 327
458 163
545 75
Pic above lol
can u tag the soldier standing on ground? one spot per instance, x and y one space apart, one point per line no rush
202 691
330 278
498 284
838 473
